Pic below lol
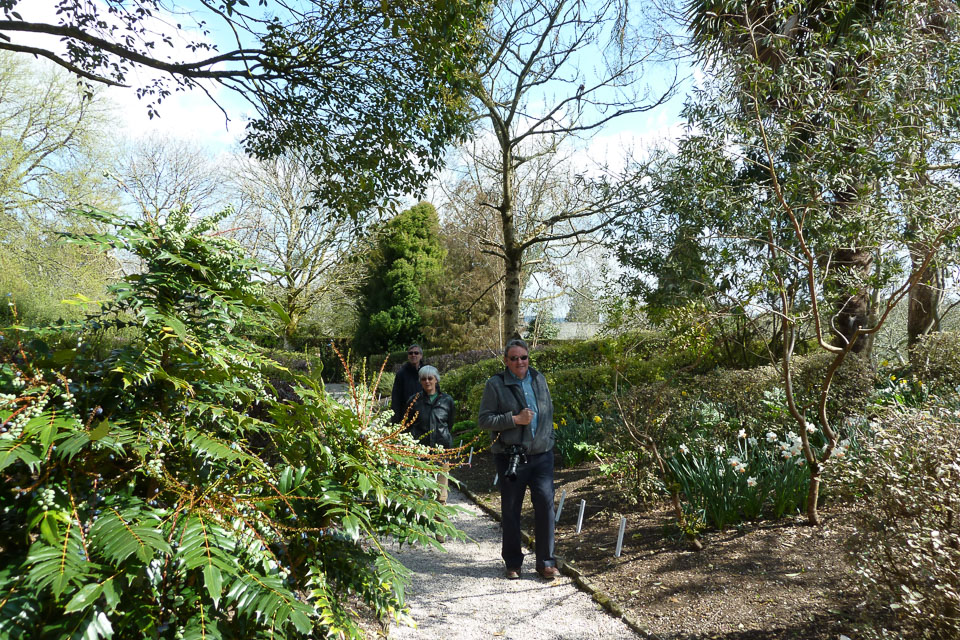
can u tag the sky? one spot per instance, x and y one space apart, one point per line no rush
193 116
186 115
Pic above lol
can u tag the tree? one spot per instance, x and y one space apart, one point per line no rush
53 145
309 250
770 173
537 97
161 174
406 257
372 89
721 28
461 310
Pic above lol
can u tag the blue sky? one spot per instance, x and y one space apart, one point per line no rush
193 116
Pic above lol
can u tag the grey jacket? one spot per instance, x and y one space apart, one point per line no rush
502 399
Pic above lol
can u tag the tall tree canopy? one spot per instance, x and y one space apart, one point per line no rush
407 256
53 147
372 89
554 75
806 165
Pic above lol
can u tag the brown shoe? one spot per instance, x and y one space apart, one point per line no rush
548 573
512 574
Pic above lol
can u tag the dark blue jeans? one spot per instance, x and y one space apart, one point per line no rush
537 474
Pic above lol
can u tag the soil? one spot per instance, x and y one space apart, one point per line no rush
771 580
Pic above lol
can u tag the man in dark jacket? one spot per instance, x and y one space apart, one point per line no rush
406 383
516 406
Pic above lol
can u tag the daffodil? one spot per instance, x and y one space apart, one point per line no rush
742 433
684 449
771 436
555 427
597 419
751 481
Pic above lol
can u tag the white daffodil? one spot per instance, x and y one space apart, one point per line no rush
771 436
751 481
684 449
742 433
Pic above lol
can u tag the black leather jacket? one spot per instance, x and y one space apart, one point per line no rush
405 385
434 423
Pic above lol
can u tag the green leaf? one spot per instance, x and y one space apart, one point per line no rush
301 621
85 597
120 535
213 580
49 528
351 525
279 311
100 430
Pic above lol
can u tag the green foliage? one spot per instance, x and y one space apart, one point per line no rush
460 309
471 435
907 552
761 474
574 441
935 359
141 496
407 256
53 146
373 126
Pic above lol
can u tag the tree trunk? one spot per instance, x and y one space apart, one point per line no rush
512 322
854 308
924 298
289 330
813 495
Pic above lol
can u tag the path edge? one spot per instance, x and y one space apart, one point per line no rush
600 597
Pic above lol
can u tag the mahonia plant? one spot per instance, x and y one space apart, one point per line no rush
158 488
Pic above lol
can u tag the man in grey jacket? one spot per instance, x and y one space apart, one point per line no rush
516 406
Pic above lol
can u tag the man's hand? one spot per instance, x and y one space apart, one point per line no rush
523 418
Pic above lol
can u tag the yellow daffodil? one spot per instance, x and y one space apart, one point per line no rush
597 419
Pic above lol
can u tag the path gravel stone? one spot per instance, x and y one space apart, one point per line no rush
461 594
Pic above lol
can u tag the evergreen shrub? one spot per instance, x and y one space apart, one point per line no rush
907 552
935 359
141 497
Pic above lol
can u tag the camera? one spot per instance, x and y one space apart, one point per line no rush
516 453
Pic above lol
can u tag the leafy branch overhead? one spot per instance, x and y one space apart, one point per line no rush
373 89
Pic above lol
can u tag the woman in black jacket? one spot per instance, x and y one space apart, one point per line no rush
434 423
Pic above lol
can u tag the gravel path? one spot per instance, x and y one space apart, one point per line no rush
461 594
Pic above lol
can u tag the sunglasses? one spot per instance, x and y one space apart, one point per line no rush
515 358
413 353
